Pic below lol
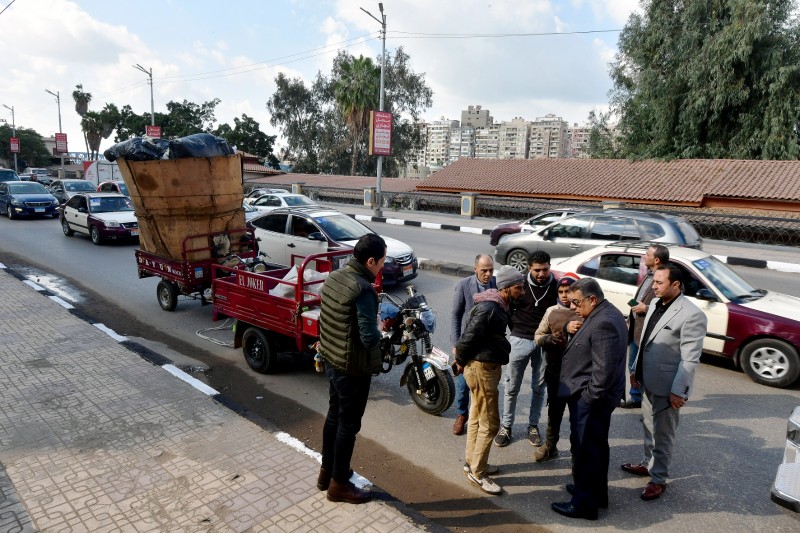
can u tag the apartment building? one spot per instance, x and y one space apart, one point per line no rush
476 116
513 139
437 148
548 137
462 143
578 141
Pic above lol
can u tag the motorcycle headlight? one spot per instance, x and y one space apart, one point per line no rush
428 319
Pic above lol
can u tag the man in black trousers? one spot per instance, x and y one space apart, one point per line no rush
593 381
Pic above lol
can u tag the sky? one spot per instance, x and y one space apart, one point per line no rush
200 50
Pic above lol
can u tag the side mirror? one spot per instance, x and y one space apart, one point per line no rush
83 210
705 294
316 236
545 234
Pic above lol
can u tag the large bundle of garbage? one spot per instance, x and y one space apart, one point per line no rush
147 149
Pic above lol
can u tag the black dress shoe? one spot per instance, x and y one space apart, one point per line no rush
630 404
571 490
570 511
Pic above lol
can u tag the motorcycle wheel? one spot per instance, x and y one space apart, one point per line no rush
439 394
259 350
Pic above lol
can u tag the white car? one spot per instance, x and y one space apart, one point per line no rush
290 233
758 329
268 202
786 487
255 194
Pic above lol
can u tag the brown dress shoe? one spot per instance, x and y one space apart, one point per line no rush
347 492
636 470
324 479
653 491
459 424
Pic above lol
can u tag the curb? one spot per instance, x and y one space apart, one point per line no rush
454 269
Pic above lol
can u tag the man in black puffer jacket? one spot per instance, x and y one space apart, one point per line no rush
481 353
350 344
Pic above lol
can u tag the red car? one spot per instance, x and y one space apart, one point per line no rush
101 215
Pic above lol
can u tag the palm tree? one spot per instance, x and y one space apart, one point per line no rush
92 126
356 93
82 100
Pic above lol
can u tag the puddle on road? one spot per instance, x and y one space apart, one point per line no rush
56 285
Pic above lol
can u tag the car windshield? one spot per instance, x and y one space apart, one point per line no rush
27 187
297 200
8 175
727 281
249 208
341 227
79 186
111 204
123 189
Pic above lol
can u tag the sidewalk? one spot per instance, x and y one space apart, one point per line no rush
94 438
781 258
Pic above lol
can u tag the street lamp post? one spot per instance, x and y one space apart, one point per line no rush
137 66
57 94
382 22
13 132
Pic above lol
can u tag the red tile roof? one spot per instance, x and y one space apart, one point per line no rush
342 182
259 168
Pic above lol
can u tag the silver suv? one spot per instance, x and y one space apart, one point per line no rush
581 231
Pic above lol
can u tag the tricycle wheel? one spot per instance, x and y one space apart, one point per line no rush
167 294
259 350
438 394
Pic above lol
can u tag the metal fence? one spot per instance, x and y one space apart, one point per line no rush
710 223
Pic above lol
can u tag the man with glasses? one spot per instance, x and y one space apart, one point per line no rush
593 382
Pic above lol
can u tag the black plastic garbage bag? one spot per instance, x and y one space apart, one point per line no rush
137 149
199 145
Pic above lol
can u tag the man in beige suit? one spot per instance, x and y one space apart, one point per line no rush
669 352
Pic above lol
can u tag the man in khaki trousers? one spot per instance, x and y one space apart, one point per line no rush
481 351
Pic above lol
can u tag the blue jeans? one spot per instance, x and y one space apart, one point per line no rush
523 351
633 349
462 396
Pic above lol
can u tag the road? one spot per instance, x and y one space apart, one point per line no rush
729 443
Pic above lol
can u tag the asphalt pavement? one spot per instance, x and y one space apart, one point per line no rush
99 434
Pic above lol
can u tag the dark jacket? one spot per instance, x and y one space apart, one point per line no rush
594 361
348 322
484 337
462 304
527 315
636 322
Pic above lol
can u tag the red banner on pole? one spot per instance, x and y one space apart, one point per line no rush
153 131
14 144
61 143
380 133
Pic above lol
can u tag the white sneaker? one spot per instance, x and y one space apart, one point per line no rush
485 484
490 469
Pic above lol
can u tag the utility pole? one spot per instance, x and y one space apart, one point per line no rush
57 94
382 22
13 133
137 66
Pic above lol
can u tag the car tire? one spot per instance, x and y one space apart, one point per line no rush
518 259
94 233
259 350
68 232
10 213
771 362
55 215
167 295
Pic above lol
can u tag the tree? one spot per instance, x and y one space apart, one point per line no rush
247 136
82 100
32 150
709 79
294 109
183 118
603 144
356 93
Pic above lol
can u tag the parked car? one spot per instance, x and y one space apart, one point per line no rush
268 202
26 199
531 224
758 329
250 212
581 231
302 231
786 488
114 186
6 174
255 194
66 189
101 215
42 175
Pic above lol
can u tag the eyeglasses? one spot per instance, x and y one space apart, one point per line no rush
577 303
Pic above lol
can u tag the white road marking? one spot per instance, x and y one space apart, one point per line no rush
396 221
110 332
33 285
357 480
62 303
194 382
431 225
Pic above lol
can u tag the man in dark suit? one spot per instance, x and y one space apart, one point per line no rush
462 303
593 381
671 345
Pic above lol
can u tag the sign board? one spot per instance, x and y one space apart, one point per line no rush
14 144
380 133
61 143
153 131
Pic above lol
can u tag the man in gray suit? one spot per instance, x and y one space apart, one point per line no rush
462 303
670 349
593 381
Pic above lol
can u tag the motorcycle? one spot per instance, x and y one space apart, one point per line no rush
407 327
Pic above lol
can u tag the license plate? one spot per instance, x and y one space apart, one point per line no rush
408 270
134 232
427 369
38 210
342 261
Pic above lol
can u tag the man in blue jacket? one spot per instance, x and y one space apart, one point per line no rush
462 303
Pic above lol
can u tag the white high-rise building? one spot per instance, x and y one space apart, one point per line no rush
548 138
486 141
462 143
578 139
438 143
513 139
